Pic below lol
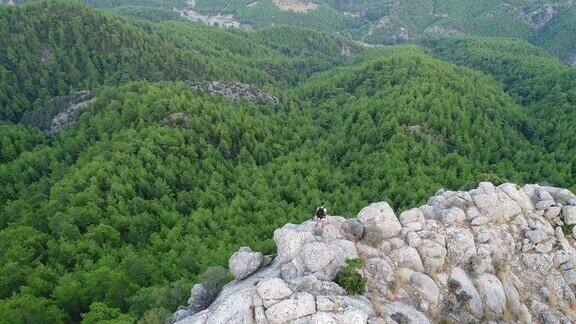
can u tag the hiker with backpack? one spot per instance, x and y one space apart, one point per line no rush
320 213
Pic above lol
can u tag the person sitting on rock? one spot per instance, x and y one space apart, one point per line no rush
321 212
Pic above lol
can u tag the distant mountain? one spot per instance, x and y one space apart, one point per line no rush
550 24
46 50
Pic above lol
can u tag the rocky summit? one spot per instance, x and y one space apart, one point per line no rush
500 253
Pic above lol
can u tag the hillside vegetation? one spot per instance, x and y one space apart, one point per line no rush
545 87
45 51
115 217
126 209
549 24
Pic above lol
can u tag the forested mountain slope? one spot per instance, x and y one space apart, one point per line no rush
115 217
120 214
543 85
59 47
550 24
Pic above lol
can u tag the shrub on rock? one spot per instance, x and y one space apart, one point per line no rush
213 279
350 278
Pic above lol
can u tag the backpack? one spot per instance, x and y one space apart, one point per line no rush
320 212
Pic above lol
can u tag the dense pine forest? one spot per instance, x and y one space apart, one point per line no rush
116 216
548 24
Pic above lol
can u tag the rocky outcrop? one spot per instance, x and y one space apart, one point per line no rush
572 61
237 91
494 253
443 30
214 20
296 5
70 113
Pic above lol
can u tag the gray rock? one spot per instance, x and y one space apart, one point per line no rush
200 298
544 247
433 255
403 313
569 214
298 305
325 304
544 195
236 307
353 230
543 313
316 255
466 293
323 318
536 235
181 315
513 300
426 286
379 273
486 201
411 216
544 204
492 294
236 91
452 215
273 288
244 262
460 245
506 210
537 262
562 196
552 212
472 213
515 255
487 187
352 315
292 269
290 238
519 196
413 239
408 257
311 284
481 220
198 318
412 227
380 218
260 315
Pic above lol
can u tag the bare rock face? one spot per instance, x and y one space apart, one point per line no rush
494 253
237 91
69 115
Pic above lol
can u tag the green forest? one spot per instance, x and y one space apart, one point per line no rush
548 24
114 218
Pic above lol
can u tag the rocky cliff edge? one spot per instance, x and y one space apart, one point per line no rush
494 253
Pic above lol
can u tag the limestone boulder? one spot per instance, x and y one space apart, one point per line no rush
316 255
297 306
569 214
353 230
492 294
380 217
290 238
273 288
244 262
